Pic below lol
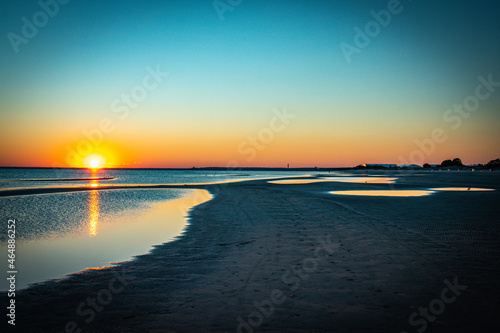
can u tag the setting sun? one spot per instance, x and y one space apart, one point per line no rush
94 161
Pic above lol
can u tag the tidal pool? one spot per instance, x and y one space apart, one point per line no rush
473 189
406 193
100 238
359 180
386 193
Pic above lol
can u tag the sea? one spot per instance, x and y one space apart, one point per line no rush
48 236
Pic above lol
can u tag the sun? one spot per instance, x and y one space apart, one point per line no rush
94 161
94 164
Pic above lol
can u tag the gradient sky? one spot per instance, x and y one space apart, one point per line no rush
228 77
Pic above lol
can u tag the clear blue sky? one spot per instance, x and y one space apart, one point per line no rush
226 77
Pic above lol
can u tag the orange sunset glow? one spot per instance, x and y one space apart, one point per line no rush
293 148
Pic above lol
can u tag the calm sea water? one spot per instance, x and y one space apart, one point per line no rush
13 178
63 233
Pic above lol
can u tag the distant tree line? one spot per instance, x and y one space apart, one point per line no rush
457 163
493 164
451 163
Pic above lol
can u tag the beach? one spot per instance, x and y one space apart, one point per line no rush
296 258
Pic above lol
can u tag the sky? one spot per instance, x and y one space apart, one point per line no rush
248 83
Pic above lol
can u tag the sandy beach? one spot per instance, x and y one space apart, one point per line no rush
295 258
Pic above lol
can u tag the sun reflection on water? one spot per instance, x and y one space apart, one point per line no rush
93 210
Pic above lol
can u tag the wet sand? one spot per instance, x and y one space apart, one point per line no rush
295 258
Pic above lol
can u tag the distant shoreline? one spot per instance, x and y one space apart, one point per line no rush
269 168
465 167
202 168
